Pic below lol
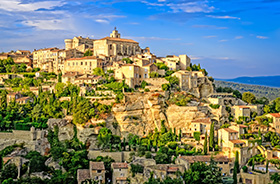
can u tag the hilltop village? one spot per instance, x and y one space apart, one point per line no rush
108 111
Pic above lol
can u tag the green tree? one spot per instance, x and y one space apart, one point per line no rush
88 53
98 71
249 97
9 171
104 138
205 147
236 167
213 174
275 178
211 138
163 128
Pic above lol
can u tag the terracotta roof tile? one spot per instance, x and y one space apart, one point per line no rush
237 142
192 159
119 39
97 165
119 165
121 178
230 130
83 174
276 115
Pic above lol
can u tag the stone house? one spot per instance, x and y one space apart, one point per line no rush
194 82
229 142
79 43
275 121
241 111
84 65
254 177
199 125
161 171
120 173
87 79
13 96
223 162
24 100
70 77
222 99
95 172
181 62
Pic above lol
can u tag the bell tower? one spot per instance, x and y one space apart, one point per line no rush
115 34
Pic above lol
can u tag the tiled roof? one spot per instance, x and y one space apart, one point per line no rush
97 165
243 107
119 165
276 115
243 126
230 130
119 39
83 174
121 178
23 98
172 169
237 142
192 159
83 58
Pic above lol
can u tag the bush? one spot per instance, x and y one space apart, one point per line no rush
136 169
172 145
245 168
146 90
148 154
214 106
196 136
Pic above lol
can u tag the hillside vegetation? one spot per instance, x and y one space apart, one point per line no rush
258 91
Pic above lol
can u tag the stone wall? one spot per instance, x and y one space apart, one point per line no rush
117 156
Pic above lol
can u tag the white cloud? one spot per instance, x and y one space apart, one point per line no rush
238 37
223 17
104 19
192 7
262 37
18 6
58 24
223 40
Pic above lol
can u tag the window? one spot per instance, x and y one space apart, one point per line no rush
81 63
98 171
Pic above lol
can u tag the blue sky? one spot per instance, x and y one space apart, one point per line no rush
230 38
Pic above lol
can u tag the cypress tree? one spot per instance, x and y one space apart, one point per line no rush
180 134
266 166
1 162
205 145
236 167
211 139
124 144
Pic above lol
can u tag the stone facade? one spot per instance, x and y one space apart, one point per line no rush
83 65
115 45
79 43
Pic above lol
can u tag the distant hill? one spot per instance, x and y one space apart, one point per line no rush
259 91
271 81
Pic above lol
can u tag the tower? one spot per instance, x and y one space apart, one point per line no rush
115 34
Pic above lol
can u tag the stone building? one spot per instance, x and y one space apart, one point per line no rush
161 171
181 62
241 111
223 162
13 96
120 173
199 125
84 65
52 59
95 172
115 46
19 57
79 43
229 142
275 121
194 82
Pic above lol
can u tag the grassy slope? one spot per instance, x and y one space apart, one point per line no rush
259 91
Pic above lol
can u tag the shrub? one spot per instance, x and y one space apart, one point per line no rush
146 90
214 106
196 136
